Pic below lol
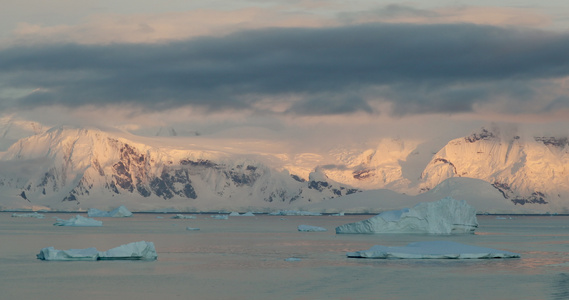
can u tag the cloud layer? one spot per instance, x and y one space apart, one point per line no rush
414 68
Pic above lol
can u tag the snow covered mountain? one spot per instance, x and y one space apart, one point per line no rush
73 168
68 168
526 171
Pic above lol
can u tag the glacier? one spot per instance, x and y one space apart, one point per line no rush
141 250
445 216
433 250
119 212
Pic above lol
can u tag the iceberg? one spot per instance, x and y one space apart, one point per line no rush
134 251
445 216
237 214
433 249
308 228
78 221
180 216
51 253
28 215
192 228
294 213
119 212
220 217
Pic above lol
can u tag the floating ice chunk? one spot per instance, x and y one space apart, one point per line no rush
236 214
294 213
78 221
341 214
28 215
445 216
433 249
118 212
51 253
134 251
180 216
192 228
292 259
220 217
309 228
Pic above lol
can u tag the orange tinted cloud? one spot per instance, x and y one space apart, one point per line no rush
152 28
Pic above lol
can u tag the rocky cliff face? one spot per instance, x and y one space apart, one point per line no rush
525 170
81 166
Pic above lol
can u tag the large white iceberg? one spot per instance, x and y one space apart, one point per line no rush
119 212
134 251
433 249
78 221
445 216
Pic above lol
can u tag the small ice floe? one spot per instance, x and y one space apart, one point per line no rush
236 214
292 259
134 251
220 217
308 228
159 217
28 215
433 249
445 216
180 216
294 213
192 229
78 221
119 212
341 214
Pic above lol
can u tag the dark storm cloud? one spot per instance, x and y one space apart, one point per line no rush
418 68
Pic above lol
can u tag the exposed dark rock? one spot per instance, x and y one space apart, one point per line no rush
362 174
535 198
483 135
297 178
439 159
552 141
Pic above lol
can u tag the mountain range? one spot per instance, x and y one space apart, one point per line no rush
76 168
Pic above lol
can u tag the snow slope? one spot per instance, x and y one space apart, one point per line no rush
532 171
78 168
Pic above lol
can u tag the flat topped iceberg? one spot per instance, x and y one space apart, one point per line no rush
28 215
294 213
134 251
433 249
78 221
445 216
119 212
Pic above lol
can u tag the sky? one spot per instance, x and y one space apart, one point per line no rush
317 72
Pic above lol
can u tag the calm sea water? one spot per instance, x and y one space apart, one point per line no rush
244 258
